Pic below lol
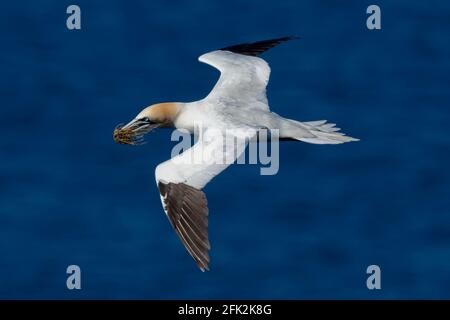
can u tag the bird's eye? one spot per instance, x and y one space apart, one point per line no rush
145 119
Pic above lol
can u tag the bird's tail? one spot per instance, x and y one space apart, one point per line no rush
318 132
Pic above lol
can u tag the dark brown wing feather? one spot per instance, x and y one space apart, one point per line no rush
256 48
187 210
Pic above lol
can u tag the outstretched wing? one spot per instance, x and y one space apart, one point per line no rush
181 179
243 76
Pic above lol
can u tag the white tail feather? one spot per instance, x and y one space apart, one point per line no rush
324 133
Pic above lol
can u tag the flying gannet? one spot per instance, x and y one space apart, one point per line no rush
238 104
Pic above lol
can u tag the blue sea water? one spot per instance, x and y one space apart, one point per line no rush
69 195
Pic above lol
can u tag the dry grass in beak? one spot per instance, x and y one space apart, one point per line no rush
132 134
124 136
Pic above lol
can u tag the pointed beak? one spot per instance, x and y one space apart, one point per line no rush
133 132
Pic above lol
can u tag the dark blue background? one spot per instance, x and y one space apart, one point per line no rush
69 195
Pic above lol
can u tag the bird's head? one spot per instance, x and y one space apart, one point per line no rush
152 117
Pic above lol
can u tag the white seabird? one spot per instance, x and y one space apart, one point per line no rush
238 104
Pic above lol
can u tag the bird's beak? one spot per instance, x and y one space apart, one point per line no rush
133 132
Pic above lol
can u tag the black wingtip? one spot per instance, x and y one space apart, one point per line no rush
256 48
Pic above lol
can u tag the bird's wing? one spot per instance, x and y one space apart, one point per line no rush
181 179
243 76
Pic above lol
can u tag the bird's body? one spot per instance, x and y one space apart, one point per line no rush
237 105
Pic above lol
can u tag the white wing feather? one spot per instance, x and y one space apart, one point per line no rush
212 154
243 79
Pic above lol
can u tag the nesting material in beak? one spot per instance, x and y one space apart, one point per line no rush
133 133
